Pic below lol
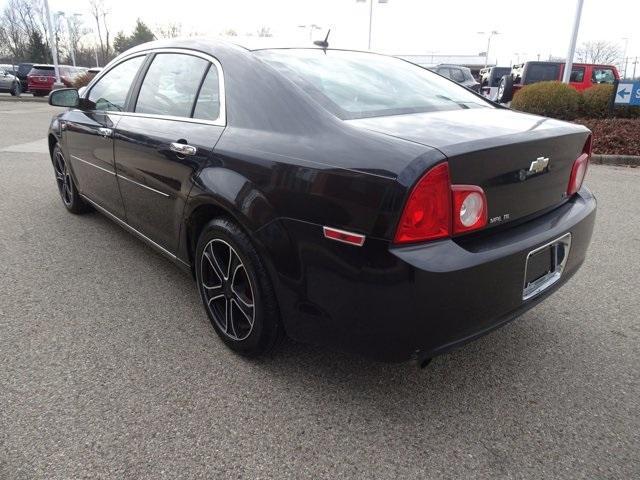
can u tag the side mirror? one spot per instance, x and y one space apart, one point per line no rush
64 97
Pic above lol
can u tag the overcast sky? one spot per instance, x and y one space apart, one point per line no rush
527 28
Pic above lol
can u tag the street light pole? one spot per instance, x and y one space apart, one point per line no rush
52 43
489 35
370 22
572 44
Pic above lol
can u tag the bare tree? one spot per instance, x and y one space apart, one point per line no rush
230 32
264 32
601 51
100 13
168 30
23 30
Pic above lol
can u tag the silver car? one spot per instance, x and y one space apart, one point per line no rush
9 82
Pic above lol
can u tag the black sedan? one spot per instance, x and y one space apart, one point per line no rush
343 198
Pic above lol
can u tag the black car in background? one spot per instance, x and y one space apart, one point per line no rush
458 74
23 71
345 198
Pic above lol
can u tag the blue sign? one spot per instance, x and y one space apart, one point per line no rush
627 93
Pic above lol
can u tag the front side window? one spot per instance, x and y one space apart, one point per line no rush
358 85
171 85
603 75
577 74
110 93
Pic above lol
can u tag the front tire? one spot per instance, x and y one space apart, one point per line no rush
66 186
235 289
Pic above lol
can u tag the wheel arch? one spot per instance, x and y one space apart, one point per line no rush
53 141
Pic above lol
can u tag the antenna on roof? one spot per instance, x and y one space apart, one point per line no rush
323 43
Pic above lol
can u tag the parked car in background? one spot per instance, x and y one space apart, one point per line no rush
583 76
9 82
490 80
42 77
23 71
346 198
458 74
7 67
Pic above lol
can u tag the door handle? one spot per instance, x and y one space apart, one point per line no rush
182 148
105 132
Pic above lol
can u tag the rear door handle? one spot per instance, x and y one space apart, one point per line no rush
105 132
182 148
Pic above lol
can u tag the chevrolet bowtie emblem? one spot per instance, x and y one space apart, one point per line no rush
539 164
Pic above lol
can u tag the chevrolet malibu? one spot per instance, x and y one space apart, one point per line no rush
341 198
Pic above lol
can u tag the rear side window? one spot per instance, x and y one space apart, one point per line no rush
536 72
603 75
110 93
171 85
208 104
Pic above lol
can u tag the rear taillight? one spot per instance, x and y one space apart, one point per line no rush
436 209
469 208
427 213
579 170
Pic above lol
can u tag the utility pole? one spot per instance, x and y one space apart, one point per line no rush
635 63
572 44
624 56
52 43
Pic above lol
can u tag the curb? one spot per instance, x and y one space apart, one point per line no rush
23 98
619 160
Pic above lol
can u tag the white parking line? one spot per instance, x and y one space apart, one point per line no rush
38 146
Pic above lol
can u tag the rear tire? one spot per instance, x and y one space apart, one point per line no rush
71 199
235 289
15 90
505 90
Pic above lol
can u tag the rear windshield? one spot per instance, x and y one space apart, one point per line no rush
540 72
497 74
42 70
359 85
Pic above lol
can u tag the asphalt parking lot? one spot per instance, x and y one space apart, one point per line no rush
110 369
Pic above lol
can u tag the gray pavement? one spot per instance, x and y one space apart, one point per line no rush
110 369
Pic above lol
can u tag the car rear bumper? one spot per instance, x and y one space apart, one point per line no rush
391 303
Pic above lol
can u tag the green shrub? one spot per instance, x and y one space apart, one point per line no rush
550 99
596 101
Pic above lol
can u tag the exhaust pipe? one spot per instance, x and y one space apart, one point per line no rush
423 359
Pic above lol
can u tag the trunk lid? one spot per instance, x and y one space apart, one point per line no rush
498 150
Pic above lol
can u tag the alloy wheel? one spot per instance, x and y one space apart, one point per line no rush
227 289
63 179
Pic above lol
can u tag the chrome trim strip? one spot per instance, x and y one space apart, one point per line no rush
119 175
93 165
137 233
221 121
541 284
